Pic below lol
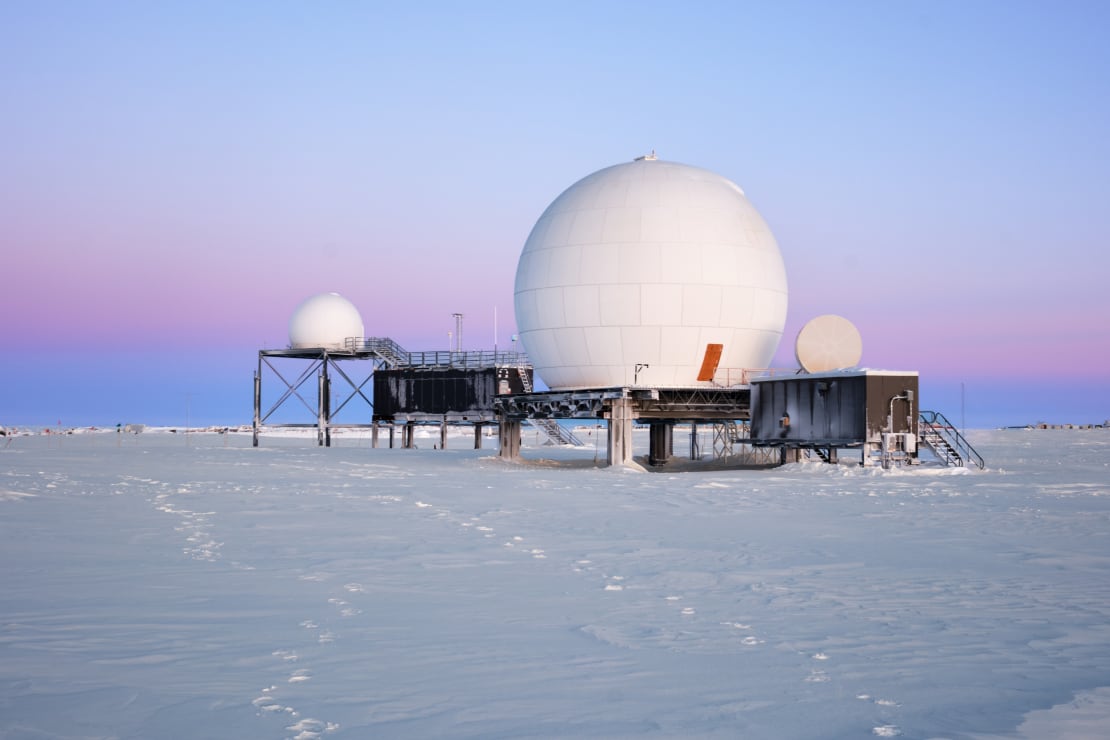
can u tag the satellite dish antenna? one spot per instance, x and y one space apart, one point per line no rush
828 342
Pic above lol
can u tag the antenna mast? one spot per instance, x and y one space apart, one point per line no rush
458 331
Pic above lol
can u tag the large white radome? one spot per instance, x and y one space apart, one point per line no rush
647 263
324 321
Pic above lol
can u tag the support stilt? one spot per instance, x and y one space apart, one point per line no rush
322 406
257 404
618 448
661 449
508 433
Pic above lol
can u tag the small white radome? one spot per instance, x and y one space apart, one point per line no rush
324 321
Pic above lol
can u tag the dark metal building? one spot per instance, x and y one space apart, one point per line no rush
872 411
433 393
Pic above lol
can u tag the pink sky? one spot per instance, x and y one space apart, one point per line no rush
179 181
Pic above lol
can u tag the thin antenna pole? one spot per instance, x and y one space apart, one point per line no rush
458 331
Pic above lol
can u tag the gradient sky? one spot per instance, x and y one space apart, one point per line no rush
175 178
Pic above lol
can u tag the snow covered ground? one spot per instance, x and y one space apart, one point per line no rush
158 586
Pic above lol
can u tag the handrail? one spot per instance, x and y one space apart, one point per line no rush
730 377
464 359
556 432
396 356
937 422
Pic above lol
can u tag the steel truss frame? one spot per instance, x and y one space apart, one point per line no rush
324 365
648 404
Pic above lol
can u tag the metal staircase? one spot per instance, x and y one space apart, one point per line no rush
556 432
946 442
388 351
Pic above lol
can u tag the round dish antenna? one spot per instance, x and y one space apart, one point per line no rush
828 342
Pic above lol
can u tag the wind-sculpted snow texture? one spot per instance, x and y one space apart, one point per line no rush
156 587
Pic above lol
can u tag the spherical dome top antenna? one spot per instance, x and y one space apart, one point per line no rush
828 342
324 321
639 272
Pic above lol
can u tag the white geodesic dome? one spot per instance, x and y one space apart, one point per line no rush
647 264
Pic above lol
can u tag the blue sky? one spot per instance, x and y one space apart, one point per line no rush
179 176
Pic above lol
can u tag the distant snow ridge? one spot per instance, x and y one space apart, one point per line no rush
14 495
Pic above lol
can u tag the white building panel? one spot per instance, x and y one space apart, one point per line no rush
662 224
621 225
587 227
604 348
550 308
582 304
620 305
701 305
571 342
564 266
600 264
639 263
680 264
661 304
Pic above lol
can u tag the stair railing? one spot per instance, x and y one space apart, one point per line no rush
556 432
946 441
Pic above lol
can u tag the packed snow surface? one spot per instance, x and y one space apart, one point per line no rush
163 586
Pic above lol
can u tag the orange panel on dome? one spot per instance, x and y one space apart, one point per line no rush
710 362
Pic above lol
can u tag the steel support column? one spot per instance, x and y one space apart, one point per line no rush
323 431
407 435
257 403
661 449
